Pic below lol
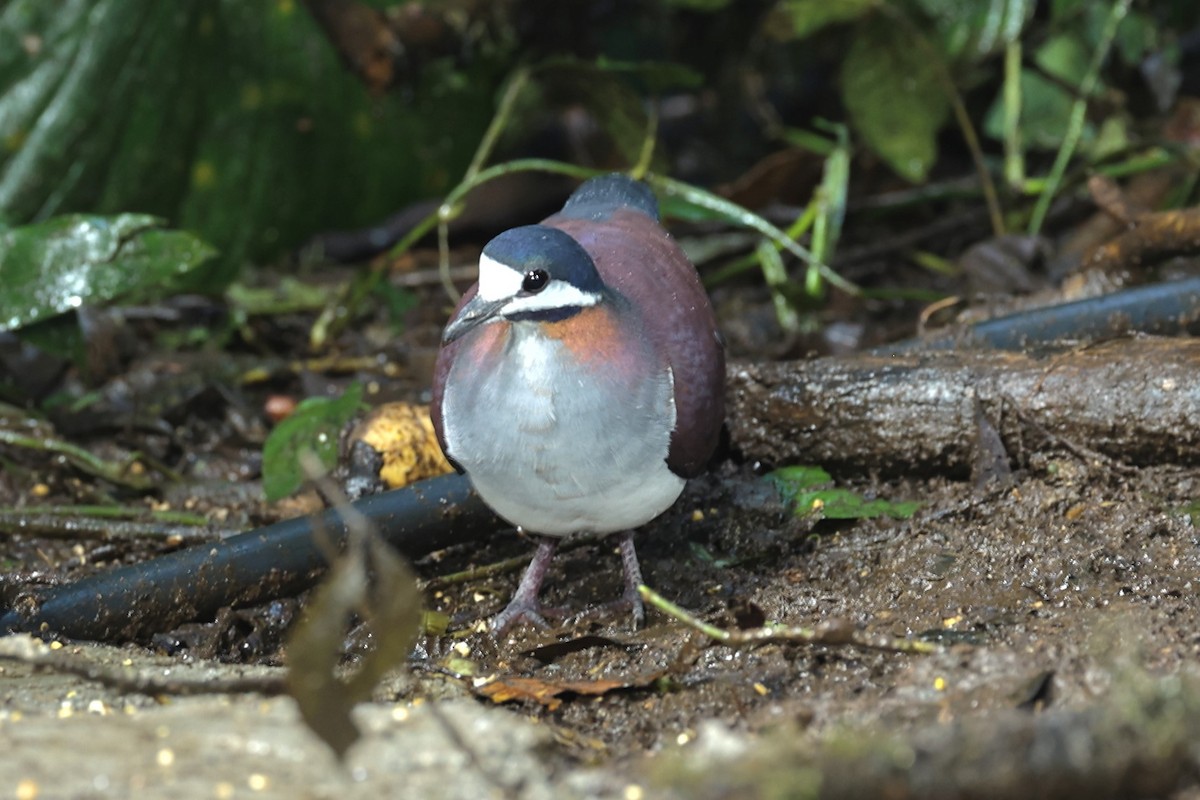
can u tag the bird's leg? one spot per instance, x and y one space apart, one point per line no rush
633 579
631 599
525 603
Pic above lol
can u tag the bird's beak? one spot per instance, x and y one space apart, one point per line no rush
476 312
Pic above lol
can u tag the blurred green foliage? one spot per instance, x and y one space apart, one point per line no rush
238 121
907 59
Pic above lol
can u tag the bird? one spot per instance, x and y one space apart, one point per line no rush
580 380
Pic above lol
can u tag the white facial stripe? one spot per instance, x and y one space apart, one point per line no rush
559 294
497 281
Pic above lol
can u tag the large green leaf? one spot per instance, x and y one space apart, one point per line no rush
891 90
232 119
72 261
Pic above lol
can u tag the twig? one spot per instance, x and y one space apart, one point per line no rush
1155 237
961 116
59 526
448 211
1085 454
118 473
835 634
428 277
503 111
341 310
507 565
114 512
32 651
648 141
741 216
475 573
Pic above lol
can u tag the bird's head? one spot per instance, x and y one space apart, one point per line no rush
531 273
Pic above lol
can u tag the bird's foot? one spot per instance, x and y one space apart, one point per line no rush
525 604
530 610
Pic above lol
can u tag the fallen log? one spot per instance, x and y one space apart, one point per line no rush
1132 400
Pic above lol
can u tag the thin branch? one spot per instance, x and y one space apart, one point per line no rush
961 116
121 473
648 142
59 526
1078 111
835 634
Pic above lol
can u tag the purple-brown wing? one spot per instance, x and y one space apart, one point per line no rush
636 257
441 369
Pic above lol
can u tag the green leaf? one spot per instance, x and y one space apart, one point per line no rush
775 274
891 90
1112 138
1065 57
845 504
1138 36
1045 113
1191 510
1064 10
704 555
315 425
816 143
809 16
830 200
67 262
792 480
979 28
57 336
798 487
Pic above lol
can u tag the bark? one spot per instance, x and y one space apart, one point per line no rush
1133 400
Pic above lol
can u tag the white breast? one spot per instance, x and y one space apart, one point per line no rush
557 449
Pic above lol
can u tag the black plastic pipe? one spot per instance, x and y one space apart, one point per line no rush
135 601
1167 309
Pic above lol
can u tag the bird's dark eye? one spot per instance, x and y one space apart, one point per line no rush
535 280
